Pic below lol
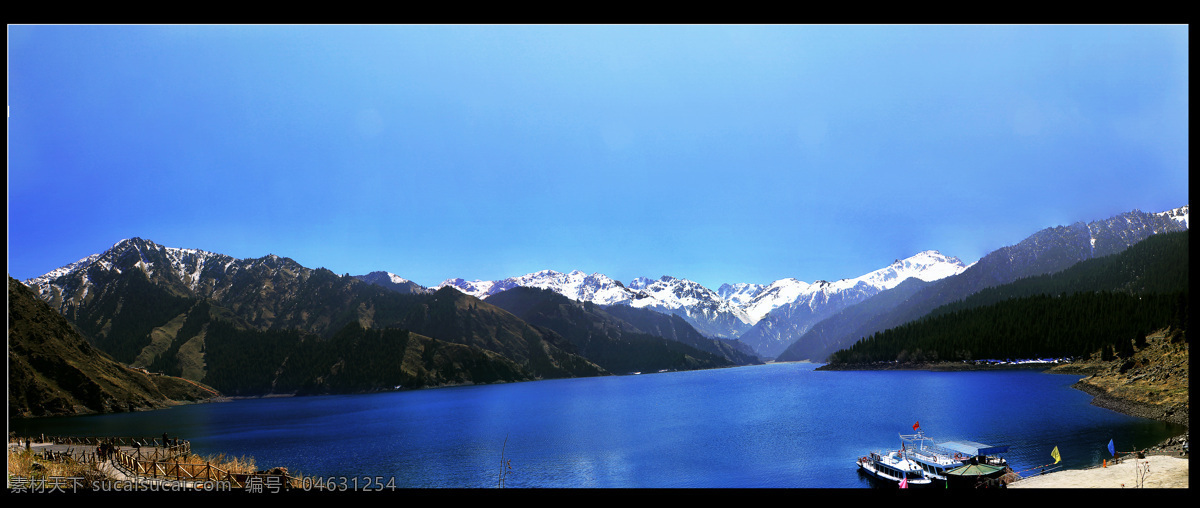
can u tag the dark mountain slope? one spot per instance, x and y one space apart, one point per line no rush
838 332
673 327
354 360
610 342
463 319
151 304
53 370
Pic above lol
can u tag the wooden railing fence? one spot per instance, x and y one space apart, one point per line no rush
162 448
150 459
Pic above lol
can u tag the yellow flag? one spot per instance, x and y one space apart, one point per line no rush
1054 454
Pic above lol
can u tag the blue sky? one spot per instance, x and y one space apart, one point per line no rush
708 152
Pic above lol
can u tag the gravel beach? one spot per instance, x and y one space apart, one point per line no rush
1164 472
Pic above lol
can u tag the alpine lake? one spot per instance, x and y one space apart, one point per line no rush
780 425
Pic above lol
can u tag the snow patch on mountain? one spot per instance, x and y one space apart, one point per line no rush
478 288
640 282
739 294
1179 214
396 279
773 296
42 283
393 282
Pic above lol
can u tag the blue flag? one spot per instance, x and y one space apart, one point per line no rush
1111 449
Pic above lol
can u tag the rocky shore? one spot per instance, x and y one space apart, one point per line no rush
1172 413
1153 383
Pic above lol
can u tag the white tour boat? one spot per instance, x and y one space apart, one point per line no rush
894 468
937 459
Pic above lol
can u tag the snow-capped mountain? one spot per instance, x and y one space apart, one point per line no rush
928 266
775 295
787 308
1179 214
739 294
211 275
177 267
734 308
1047 251
640 282
596 288
703 308
478 288
141 302
263 291
758 301
43 283
392 281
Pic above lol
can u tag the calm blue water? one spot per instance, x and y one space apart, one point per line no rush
778 425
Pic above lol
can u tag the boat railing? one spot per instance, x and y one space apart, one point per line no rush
938 456
924 455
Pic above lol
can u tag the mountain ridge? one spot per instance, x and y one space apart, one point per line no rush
726 313
1048 250
734 309
271 293
785 323
1104 304
164 309
613 343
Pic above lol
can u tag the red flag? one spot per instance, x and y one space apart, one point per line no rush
904 482
915 425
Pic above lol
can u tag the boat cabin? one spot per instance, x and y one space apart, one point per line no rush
977 453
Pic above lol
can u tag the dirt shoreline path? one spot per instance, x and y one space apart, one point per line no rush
1165 472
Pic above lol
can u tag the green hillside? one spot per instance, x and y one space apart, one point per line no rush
1105 304
1156 265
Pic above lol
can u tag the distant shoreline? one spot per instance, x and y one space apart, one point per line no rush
943 366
